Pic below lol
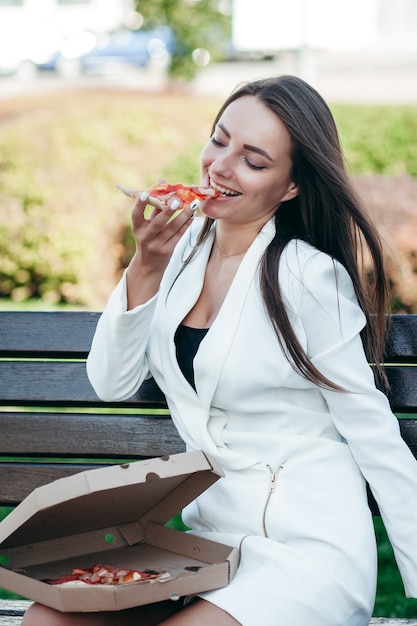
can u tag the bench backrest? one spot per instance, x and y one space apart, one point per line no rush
52 423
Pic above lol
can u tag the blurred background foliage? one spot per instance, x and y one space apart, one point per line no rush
63 221
64 233
65 229
201 27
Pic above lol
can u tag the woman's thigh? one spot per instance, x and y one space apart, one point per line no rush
164 613
149 615
201 612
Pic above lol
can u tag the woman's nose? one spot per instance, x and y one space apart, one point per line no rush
222 164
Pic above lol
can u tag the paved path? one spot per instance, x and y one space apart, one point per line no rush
348 78
339 77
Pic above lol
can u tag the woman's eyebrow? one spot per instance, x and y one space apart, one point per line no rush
246 146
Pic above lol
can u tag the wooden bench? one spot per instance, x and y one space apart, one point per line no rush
53 425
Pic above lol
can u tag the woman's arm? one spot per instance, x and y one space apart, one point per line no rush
332 321
155 238
117 363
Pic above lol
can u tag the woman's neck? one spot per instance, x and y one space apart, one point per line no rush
232 241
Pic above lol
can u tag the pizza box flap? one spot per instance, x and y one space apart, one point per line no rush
153 490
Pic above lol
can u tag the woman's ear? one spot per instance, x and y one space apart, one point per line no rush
292 192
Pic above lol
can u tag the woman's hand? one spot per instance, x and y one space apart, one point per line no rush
156 238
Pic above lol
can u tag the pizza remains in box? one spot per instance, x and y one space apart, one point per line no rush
115 517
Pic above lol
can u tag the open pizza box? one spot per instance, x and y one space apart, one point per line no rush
114 516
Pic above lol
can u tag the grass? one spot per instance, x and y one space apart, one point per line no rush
390 600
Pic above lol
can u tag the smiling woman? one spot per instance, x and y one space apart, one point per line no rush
275 382
254 179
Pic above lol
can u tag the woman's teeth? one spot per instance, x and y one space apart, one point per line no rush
224 191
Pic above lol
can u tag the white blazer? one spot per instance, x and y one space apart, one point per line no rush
296 457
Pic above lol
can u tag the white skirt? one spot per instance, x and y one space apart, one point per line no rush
307 543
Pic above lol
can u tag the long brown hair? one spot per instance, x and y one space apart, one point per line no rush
326 214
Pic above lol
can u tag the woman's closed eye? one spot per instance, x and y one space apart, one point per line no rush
219 144
252 165
216 142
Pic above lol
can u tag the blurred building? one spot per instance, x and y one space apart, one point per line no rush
269 26
31 29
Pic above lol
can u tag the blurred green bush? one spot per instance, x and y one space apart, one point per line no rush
62 217
379 139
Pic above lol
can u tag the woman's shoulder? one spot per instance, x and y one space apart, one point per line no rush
306 257
301 256
306 268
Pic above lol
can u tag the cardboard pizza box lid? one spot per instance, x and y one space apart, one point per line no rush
153 490
114 516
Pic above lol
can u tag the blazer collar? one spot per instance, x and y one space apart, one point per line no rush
216 344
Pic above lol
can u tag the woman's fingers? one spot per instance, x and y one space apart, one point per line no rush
164 224
161 226
138 212
133 193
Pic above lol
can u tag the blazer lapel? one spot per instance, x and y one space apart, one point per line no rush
179 295
215 346
193 408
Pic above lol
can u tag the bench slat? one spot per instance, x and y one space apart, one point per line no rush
393 621
60 383
402 340
408 429
69 334
11 611
78 435
66 384
88 437
403 394
18 481
84 435
51 334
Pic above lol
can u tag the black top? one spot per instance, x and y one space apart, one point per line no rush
187 341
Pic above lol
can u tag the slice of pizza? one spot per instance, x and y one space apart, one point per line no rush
160 193
108 575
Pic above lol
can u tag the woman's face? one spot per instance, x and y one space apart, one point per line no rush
248 159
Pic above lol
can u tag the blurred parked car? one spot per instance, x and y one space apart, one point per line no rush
89 53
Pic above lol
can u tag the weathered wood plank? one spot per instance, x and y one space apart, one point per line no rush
402 340
46 333
11 612
66 383
68 336
80 435
10 620
393 621
18 481
403 393
408 429
63 332
60 383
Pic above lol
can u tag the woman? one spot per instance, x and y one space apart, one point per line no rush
257 325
